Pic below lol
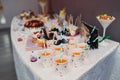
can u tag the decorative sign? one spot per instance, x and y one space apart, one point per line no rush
93 36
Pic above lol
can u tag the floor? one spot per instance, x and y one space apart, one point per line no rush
7 70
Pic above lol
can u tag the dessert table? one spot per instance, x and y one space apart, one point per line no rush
96 66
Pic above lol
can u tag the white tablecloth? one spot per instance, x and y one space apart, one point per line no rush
97 66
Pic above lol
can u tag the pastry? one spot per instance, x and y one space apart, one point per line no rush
33 25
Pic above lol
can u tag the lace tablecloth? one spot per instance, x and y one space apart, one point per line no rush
97 66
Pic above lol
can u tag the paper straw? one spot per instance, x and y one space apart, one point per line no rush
61 54
42 34
91 33
93 29
95 39
44 48
89 38
61 47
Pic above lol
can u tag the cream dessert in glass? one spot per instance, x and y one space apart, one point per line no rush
105 20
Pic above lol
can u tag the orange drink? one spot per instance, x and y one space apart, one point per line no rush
76 53
45 54
61 61
58 49
72 44
61 64
82 46
76 56
46 58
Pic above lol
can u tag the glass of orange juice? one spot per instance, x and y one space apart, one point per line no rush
46 57
72 44
85 50
75 55
82 45
61 64
57 49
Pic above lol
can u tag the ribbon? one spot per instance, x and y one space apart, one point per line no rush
104 38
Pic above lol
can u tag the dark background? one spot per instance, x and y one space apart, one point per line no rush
90 9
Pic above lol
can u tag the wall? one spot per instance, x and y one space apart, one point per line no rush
89 9
14 7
